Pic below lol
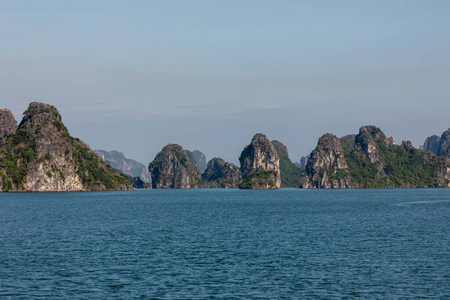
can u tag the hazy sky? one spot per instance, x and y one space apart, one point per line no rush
135 75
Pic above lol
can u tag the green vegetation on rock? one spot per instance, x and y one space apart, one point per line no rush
173 168
373 161
347 142
129 166
40 155
399 168
259 180
93 171
260 164
290 173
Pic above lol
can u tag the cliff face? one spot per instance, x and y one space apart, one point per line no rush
303 162
444 144
290 173
200 159
220 174
367 141
260 165
42 156
374 162
173 169
438 145
326 167
118 161
8 124
348 142
432 144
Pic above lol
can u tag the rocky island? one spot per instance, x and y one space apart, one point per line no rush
175 168
39 155
260 164
373 161
221 174
172 168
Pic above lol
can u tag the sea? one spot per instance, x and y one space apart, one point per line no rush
226 244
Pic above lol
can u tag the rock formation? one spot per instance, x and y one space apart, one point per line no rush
191 158
326 167
137 183
348 142
303 162
260 164
367 141
42 156
432 144
129 166
173 169
374 162
290 173
444 144
220 174
200 159
8 124
438 145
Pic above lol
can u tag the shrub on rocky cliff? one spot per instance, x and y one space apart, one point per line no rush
260 164
373 162
42 156
172 168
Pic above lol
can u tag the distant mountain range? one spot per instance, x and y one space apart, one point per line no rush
129 166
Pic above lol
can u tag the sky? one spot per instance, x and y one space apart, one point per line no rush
134 76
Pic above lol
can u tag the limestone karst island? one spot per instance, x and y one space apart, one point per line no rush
39 155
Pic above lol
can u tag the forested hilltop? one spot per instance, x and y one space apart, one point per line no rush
371 160
40 155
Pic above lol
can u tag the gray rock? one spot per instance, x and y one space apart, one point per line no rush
348 142
221 174
46 158
366 142
444 144
129 166
139 184
407 145
326 167
303 162
432 144
200 159
290 173
374 162
8 124
260 164
173 169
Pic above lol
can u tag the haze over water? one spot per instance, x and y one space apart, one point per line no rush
134 76
372 244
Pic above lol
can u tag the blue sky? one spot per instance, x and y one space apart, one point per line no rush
135 75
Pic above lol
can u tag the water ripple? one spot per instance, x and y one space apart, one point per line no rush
232 244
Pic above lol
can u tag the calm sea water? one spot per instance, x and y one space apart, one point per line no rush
184 244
